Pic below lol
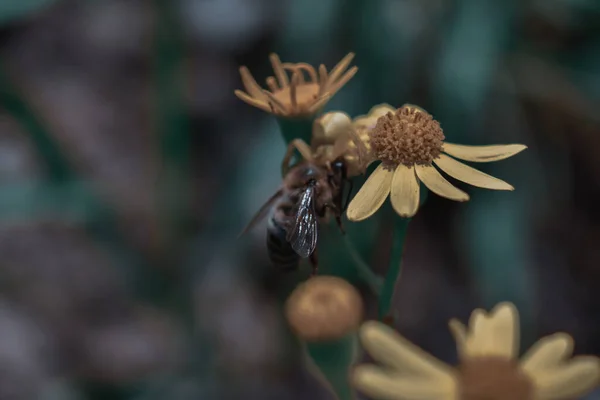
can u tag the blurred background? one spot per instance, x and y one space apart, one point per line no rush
128 168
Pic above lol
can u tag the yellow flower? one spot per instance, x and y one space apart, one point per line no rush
364 123
332 125
488 366
409 142
295 97
324 308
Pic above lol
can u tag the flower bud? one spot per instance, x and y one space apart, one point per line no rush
324 308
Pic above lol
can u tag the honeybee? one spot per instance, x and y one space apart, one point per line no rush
310 193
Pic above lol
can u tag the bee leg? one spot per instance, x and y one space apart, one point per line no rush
315 263
285 164
351 186
338 220
388 320
338 216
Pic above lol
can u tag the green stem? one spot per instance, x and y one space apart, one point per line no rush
400 229
57 164
172 122
103 224
365 272
331 361
176 215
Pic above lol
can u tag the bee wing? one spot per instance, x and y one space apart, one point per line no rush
303 236
262 213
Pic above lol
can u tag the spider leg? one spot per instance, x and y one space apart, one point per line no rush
302 148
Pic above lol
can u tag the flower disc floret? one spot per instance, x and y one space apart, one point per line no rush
494 378
410 136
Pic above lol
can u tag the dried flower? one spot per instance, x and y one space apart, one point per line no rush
295 97
488 366
408 142
324 308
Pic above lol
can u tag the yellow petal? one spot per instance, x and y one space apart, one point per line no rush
414 107
251 86
459 333
494 334
276 103
323 76
319 103
334 87
478 330
569 381
385 385
470 175
279 71
252 101
438 184
503 339
388 347
477 317
483 153
370 120
339 69
547 352
405 191
381 110
371 195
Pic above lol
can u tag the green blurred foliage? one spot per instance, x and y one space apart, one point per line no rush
13 10
462 60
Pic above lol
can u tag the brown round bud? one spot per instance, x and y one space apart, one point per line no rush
493 378
324 308
409 136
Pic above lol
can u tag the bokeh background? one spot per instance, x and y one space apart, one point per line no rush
128 168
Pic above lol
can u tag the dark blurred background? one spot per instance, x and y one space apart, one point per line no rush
128 168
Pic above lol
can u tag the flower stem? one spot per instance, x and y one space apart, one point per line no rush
365 272
173 133
330 362
57 164
400 229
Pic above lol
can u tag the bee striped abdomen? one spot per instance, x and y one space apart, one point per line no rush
280 251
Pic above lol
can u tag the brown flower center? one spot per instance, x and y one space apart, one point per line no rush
409 136
305 96
493 378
